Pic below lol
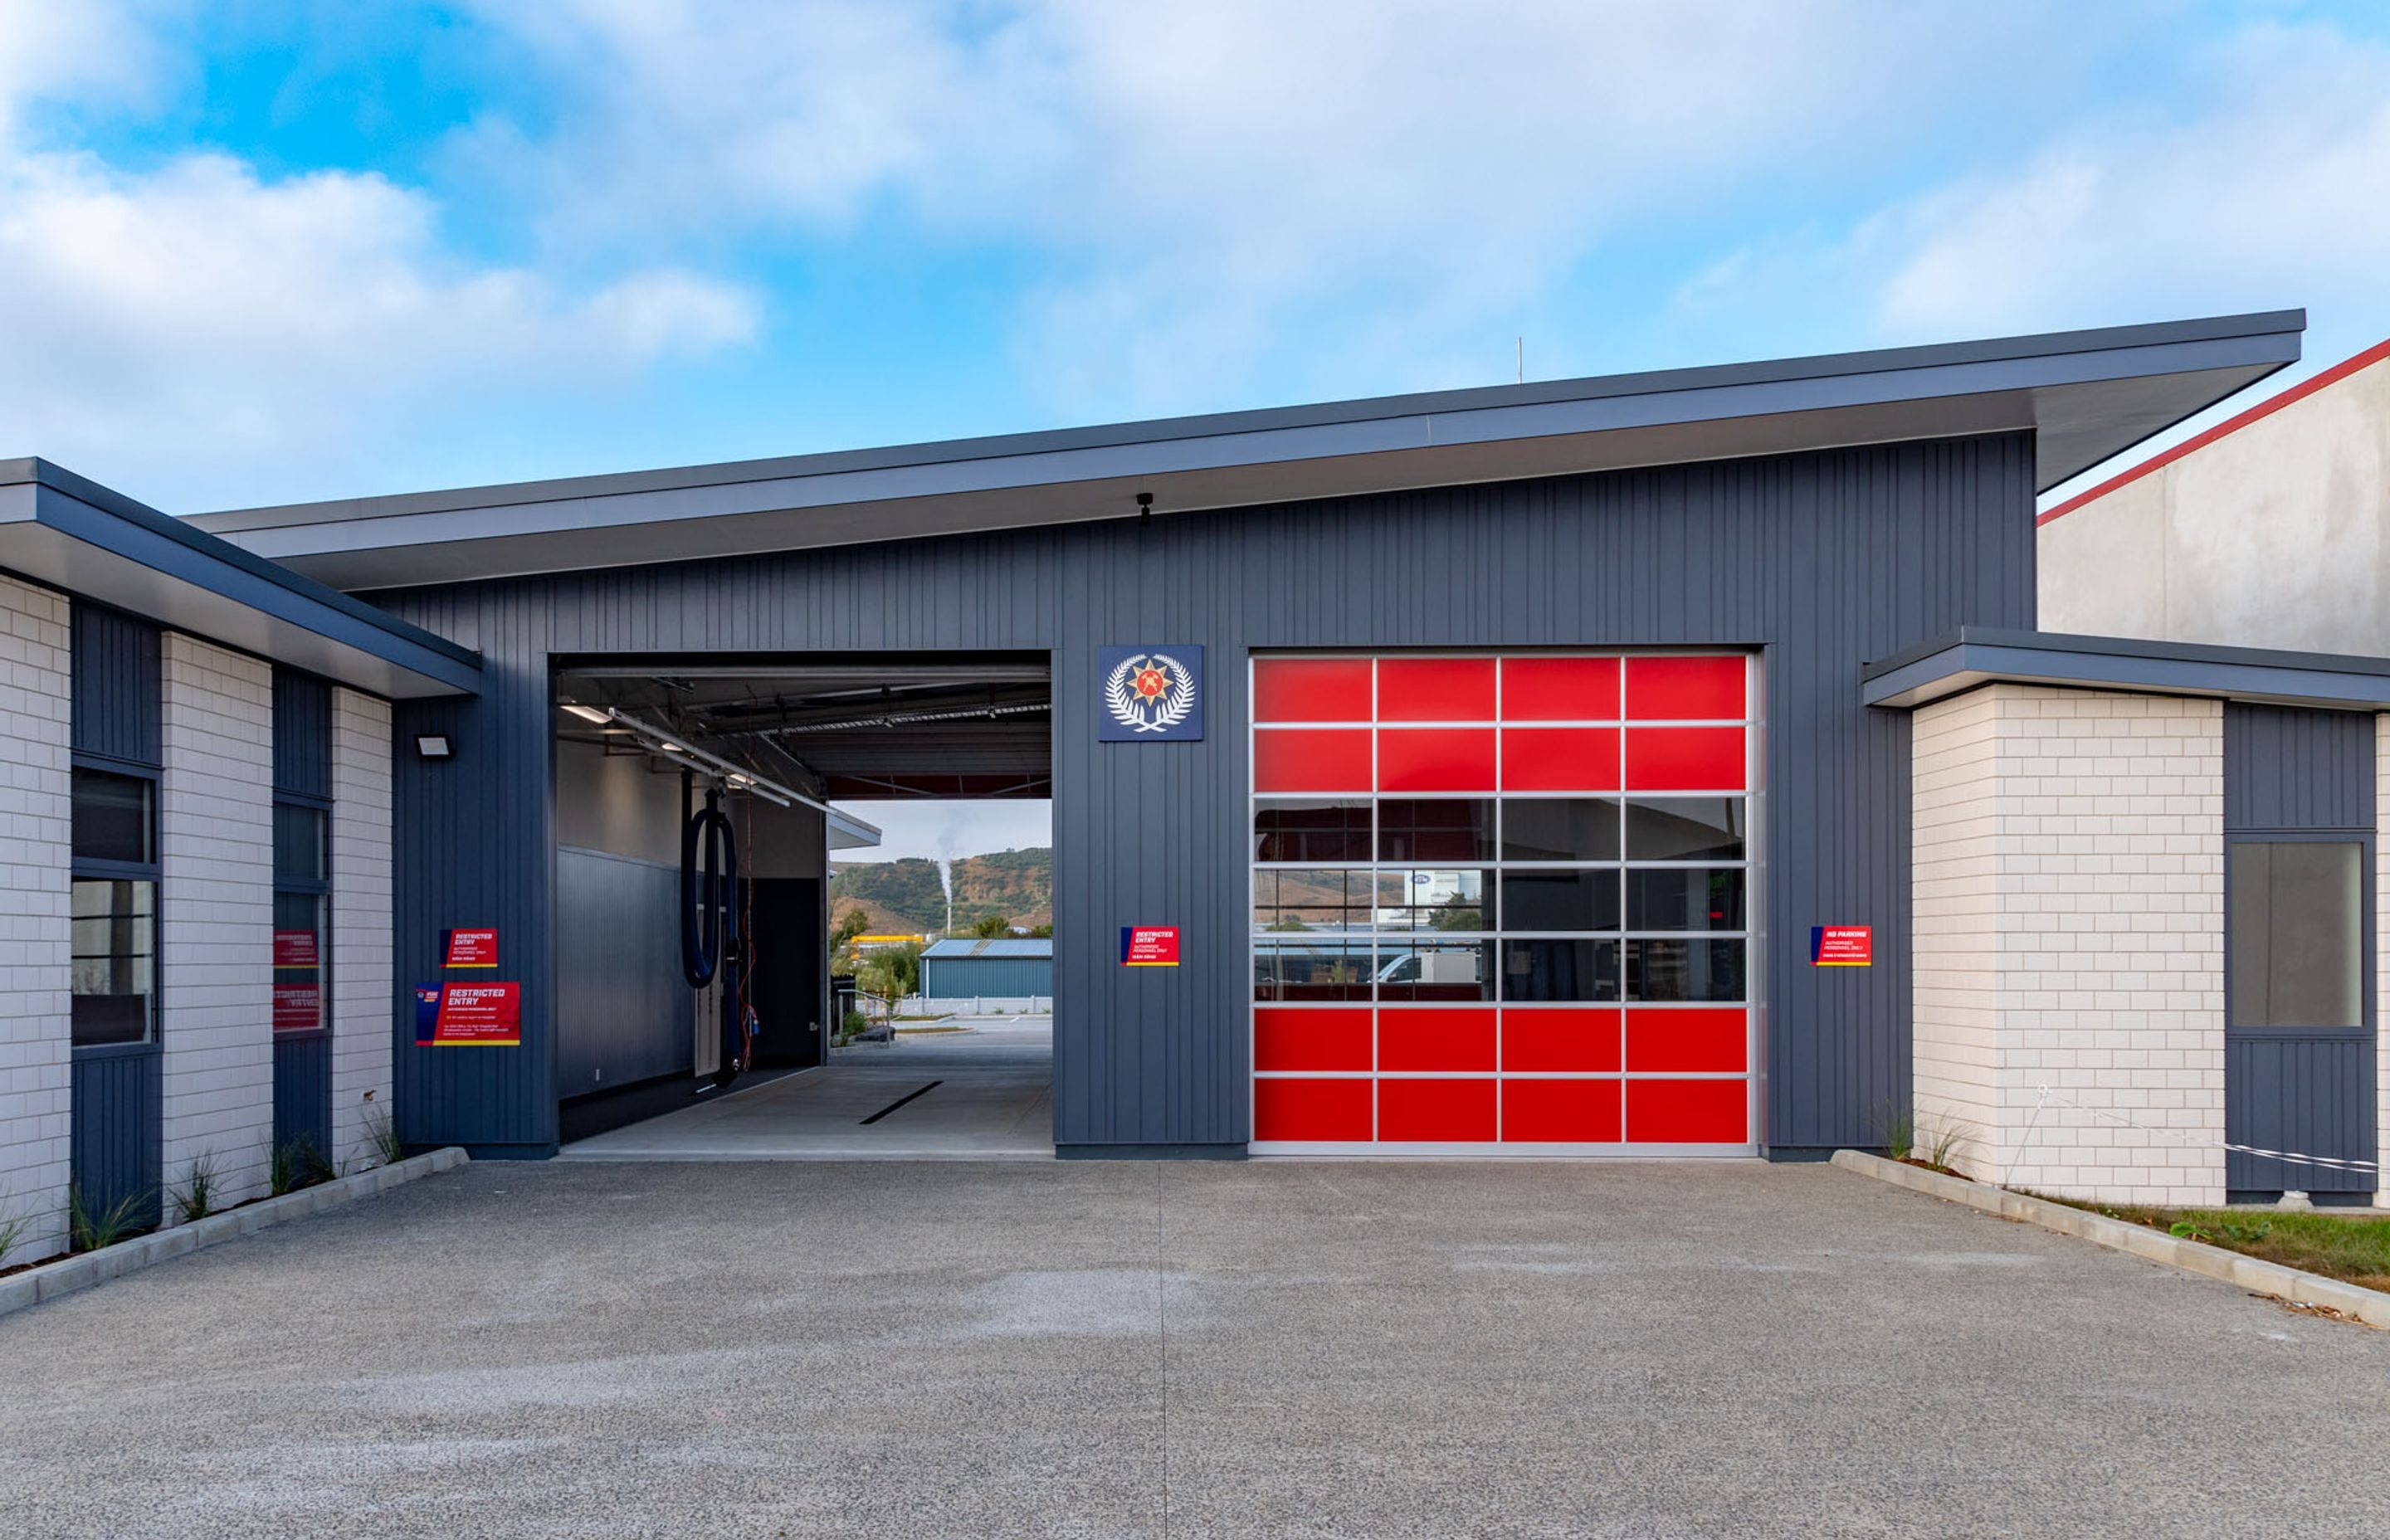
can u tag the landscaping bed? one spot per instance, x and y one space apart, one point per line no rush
2351 1249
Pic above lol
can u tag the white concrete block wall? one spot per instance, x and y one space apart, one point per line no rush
2070 913
2382 954
363 981
216 851
35 979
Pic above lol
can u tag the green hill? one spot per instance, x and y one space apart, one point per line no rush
904 896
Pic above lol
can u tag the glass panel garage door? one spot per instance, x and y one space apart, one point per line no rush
1502 903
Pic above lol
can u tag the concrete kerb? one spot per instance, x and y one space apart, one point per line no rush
69 1274
2368 1305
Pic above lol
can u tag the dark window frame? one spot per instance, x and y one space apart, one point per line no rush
318 887
80 868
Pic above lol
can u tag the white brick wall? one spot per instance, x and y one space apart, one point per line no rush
2069 912
216 847
34 979
362 984
2381 953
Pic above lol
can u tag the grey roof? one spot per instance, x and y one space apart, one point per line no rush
2088 394
65 531
990 946
1976 655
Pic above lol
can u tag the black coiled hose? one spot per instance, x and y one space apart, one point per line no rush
709 924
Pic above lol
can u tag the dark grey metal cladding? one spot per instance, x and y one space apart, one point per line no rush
623 1012
1823 559
303 1091
302 734
116 691
960 978
116 1145
2306 1093
2286 767
2289 770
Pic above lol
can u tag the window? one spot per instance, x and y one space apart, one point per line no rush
302 902
112 906
2297 933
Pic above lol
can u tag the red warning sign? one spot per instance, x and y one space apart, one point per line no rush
1842 945
1149 946
472 949
479 1016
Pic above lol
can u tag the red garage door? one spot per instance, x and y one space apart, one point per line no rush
1500 905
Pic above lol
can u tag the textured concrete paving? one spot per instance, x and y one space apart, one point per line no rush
992 1099
1269 1349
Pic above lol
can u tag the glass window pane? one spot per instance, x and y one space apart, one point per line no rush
1311 899
1311 968
1326 831
1671 970
114 950
1412 900
298 843
1685 898
1459 829
114 817
1561 900
2297 950
1685 828
1541 970
298 961
1423 969
1573 828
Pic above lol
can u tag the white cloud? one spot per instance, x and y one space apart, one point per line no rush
1196 180
2273 190
195 326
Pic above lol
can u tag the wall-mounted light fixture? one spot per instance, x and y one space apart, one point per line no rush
433 746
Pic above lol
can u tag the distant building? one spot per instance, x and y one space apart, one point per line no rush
1008 967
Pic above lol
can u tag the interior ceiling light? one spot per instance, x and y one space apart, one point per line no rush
588 713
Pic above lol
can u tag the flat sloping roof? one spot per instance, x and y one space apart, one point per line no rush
71 534
1972 656
952 947
2088 395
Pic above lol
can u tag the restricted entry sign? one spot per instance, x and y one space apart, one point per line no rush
1842 945
472 949
1149 946
465 1016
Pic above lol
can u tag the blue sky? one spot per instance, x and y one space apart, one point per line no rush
256 251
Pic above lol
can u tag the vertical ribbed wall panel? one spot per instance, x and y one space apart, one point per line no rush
1825 560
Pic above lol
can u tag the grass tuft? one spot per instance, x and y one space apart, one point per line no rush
2351 1249
383 1133
88 1229
1898 1125
196 1199
11 1231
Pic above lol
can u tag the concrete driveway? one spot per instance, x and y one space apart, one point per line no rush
1266 1349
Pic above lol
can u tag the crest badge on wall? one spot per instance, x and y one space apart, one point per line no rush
1151 694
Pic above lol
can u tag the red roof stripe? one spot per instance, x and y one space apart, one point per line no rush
2299 391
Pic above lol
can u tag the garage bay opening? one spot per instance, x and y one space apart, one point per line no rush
804 906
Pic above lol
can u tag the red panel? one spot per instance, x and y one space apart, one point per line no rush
1560 1111
1688 1040
1684 758
1311 1039
1321 759
1335 1110
1311 690
1560 689
1435 759
1435 689
1560 1040
1687 1111
1448 1111
1435 1039
1684 690
1559 759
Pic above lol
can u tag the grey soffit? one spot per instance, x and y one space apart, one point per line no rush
2087 394
63 530
1974 656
